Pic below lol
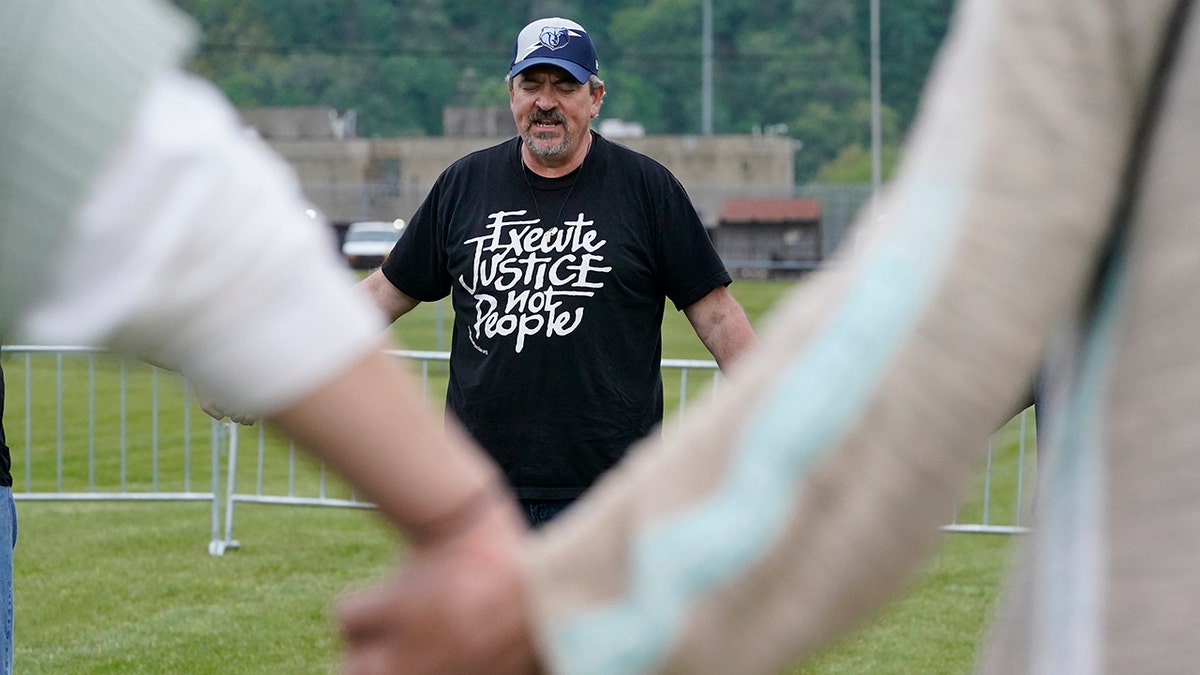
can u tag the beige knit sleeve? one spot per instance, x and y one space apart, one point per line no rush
776 516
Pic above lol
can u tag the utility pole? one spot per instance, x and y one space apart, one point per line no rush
876 106
706 87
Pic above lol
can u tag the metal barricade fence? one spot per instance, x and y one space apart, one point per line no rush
277 475
1001 502
83 425
120 429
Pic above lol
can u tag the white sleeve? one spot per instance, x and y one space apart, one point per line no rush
194 252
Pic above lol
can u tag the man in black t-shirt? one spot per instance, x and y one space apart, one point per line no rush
559 250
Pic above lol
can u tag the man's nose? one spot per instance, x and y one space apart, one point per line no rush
546 101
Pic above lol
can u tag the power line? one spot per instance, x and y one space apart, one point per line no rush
380 51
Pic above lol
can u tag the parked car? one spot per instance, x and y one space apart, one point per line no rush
367 243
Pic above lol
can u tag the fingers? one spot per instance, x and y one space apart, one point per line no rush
362 616
211 408
364 619
398 628
217 413
242 418
365 659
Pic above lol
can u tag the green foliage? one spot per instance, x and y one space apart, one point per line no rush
910 34
853 165
825 132
802 64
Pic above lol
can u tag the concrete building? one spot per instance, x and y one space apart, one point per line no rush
350 178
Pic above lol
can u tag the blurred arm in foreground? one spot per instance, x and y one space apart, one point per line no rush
136 214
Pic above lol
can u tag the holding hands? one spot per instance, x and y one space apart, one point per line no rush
456 604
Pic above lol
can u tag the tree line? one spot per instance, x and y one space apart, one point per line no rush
799 67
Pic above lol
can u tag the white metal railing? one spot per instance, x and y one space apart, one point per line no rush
1014 494
327 490
86 426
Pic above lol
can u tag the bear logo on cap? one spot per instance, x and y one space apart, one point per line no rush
554 37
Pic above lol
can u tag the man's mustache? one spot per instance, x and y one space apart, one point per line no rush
547 117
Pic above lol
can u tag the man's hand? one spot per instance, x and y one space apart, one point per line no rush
456 605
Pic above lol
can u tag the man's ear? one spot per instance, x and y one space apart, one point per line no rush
597 100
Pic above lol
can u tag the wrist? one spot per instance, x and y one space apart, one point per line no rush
462 516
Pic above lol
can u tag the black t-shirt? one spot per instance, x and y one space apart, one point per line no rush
558 288
5 457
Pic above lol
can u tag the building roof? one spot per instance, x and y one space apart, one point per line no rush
770 210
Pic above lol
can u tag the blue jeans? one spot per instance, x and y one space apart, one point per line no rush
538 512
8 540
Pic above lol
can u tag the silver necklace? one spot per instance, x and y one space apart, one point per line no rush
525 171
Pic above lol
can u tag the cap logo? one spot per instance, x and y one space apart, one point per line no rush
554 37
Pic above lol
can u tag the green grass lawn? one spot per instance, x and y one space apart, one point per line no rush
130 587
937 624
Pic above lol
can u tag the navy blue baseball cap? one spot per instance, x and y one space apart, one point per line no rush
558 42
